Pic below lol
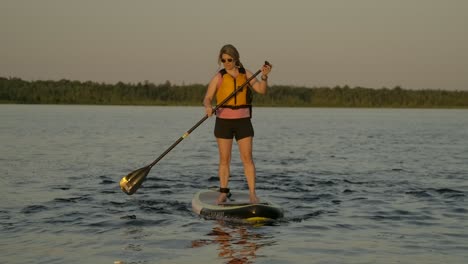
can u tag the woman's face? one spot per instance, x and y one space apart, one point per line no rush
228 62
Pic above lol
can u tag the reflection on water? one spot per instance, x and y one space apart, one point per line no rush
235 243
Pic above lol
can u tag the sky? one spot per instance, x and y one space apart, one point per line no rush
414 44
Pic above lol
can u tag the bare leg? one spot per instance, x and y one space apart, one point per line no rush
245 149
225 148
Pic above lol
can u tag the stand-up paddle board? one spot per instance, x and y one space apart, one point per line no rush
237 207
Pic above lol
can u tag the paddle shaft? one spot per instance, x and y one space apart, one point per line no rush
186 134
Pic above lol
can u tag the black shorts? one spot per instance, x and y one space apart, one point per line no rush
230 128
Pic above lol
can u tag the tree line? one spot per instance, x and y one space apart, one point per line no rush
18 91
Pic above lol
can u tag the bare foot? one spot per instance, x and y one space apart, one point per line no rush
254 199
221 198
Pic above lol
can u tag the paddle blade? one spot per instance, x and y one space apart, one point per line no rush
130 183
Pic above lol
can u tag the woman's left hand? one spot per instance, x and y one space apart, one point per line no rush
266 69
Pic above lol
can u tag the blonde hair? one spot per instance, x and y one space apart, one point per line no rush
231 51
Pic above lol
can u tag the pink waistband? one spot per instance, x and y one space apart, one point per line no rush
228 113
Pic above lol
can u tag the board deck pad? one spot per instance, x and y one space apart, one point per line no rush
239 203
236 198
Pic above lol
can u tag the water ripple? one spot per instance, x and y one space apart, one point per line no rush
361 185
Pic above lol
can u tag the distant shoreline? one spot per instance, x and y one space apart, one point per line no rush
65 92
255 106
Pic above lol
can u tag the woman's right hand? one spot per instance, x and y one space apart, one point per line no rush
208 111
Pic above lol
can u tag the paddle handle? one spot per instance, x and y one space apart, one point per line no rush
186 134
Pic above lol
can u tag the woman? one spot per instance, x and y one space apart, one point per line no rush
233 118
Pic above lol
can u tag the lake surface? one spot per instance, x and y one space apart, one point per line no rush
357 186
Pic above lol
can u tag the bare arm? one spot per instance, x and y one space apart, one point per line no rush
210 92
260 86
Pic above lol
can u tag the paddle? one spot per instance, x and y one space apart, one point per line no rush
130 183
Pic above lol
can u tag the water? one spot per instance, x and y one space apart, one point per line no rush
358 186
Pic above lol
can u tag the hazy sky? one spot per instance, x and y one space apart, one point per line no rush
415 44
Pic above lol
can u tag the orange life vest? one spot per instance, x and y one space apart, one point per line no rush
228 84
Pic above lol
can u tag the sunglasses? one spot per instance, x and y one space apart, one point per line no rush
224 60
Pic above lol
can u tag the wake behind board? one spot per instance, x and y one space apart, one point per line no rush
238 207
